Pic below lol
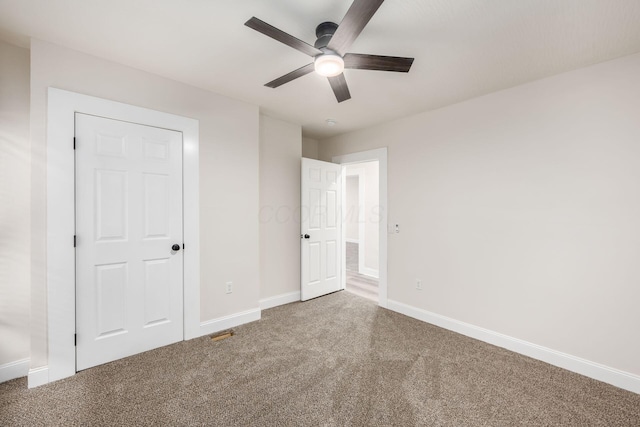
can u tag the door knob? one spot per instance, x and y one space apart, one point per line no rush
175 247
306 236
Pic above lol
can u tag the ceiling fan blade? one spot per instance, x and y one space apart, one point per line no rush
281 36
340 88
291 76
377 62
352 24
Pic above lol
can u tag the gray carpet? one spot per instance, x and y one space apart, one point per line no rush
338 360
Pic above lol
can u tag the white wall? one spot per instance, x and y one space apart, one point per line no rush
229 191
280 153
352 208
520 211
14 204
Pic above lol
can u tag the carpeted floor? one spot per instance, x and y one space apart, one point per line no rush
338 360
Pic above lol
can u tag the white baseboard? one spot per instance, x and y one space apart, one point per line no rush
279 300
38 376
369 272
13 370
624 380
226 322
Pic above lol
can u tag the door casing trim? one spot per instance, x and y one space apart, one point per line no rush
379 154
61 109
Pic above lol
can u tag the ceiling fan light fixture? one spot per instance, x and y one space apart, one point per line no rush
328 64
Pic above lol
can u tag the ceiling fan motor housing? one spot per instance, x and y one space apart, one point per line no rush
324 32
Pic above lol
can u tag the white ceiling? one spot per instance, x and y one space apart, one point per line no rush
462 48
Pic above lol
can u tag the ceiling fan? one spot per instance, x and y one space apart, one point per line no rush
329 52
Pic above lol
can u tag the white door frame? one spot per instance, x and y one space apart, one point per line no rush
380 155
61 293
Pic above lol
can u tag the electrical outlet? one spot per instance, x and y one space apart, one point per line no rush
229 287
419 284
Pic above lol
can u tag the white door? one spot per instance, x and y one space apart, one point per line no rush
128 219
321 228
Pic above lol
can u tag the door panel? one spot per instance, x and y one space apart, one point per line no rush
332 210
313 209
157 291
111 283
321 221
128 215
156 205
314 263
332 253
111 205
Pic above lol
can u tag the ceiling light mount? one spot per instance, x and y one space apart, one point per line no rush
324 32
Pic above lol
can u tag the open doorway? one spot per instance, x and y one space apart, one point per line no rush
379 215
362 220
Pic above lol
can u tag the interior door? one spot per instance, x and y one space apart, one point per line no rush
129 245
321 228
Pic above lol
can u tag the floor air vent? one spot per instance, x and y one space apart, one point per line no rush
222 335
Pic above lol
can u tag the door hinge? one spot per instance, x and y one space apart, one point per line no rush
74 240
74 142
75 339
183 246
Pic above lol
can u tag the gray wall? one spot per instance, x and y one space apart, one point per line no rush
229 191
280 152
519 211
310 148
244 158
15 223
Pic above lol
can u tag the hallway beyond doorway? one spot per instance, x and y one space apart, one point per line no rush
356 283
